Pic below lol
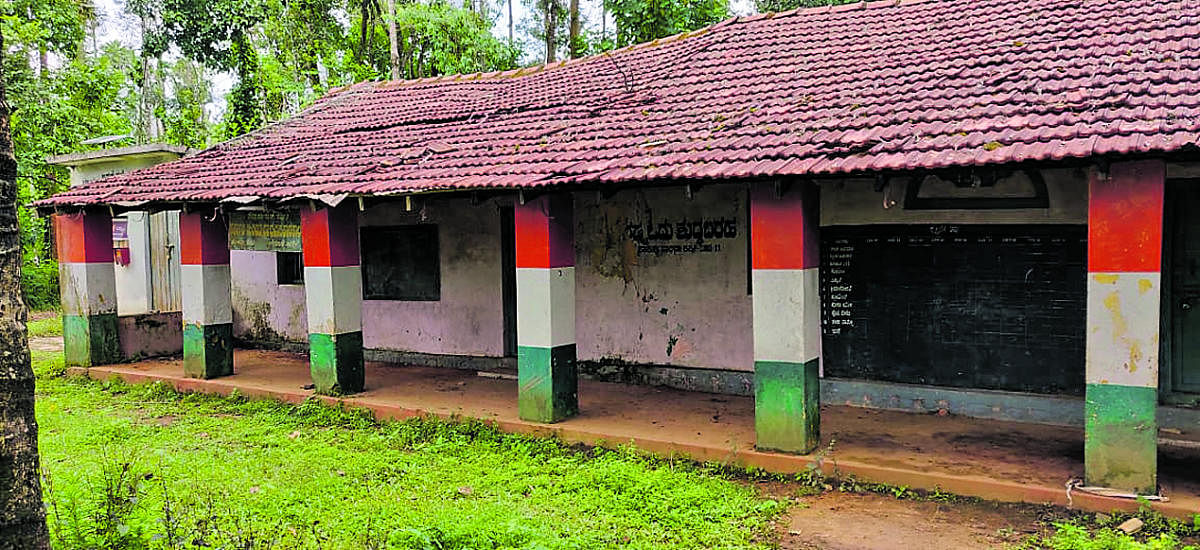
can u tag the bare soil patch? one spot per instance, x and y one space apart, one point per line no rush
843 521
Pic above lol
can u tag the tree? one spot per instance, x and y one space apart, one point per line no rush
645 20
575 43
764 6
393 44
216 33
22 517
547 23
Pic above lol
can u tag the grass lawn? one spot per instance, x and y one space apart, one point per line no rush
43 325
143 466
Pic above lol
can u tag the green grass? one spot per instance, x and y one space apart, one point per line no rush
145 467
1071 536
50 326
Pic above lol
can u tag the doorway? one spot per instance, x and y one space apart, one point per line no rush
164 262
1181 296
508 279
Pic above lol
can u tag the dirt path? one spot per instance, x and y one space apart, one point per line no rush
46 343
840 521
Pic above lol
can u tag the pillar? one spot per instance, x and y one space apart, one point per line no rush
204 285
88 288
333 293
785 251
545 258
1125 224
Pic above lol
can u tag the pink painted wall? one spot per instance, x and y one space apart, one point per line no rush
150 334
262 308
468 320
686 308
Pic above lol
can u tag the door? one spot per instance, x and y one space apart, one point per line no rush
1183 296
508 279
164 262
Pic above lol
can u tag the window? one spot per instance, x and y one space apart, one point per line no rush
289 268
401 263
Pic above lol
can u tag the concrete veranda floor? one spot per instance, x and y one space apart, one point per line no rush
990 459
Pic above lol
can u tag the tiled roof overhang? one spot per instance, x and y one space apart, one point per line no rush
869 87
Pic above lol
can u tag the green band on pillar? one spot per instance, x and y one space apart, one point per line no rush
207 350
90 340
787 406
1121 448
548 383
336 362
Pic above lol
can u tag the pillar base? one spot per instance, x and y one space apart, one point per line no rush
1121 446
336 363
787 406
207 350
548 383
90 340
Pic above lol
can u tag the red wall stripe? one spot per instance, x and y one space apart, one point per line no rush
203 239
1125 218
784 230
545 232
329 236
84 237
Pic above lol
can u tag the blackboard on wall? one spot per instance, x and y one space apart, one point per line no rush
401 263
973 306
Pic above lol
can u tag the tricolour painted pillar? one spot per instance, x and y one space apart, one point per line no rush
88 288
785 252
205 287
545 259
333 294
1125 226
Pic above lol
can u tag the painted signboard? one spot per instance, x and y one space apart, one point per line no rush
269 230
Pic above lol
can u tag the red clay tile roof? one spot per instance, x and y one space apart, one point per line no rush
876 86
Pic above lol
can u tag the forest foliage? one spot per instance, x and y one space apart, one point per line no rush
67 87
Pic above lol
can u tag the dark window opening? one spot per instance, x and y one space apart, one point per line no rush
289 268
401 263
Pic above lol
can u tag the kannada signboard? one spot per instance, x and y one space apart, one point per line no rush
265 230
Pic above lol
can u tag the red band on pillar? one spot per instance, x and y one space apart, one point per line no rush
1125 218
84 238
330 236
783 229
545 232
203 239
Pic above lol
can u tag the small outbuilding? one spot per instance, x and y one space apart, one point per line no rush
981 207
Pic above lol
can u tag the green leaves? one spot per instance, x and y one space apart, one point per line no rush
645 20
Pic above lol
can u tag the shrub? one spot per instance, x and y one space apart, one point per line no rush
39 282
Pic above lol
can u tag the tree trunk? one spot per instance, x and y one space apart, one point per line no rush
603 22
551 26
574 47
393 43
22 517
510 22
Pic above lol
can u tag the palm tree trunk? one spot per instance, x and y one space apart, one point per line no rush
574 47
393 43
551 27
22 518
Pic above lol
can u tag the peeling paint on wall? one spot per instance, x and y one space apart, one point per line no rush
685 306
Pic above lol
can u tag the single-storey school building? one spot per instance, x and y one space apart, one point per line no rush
976 206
